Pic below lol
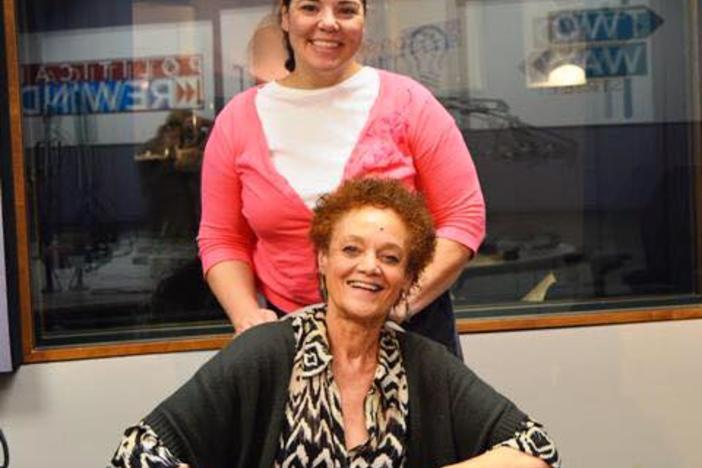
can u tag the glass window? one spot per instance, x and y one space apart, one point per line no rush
118 98
580 116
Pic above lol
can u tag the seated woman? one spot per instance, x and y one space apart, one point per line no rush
336 384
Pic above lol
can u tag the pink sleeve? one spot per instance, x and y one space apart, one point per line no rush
224 232
446 174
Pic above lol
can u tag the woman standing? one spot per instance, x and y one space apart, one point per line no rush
275 149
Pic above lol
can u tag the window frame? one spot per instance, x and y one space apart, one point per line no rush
32 353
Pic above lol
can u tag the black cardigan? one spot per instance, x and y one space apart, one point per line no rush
229 413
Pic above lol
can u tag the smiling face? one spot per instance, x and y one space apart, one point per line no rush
325 36
365 265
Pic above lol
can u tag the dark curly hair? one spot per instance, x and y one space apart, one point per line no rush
380 193
290 62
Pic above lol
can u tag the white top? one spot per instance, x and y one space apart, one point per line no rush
312 132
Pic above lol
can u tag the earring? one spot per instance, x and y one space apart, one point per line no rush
323 288
405 299
400 312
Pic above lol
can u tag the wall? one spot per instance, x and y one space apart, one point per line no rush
621 396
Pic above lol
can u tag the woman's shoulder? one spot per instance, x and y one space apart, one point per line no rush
267 342
240 103
403 93
421 348
397 83
429 358
236 119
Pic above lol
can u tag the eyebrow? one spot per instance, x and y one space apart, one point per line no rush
360 240
343 2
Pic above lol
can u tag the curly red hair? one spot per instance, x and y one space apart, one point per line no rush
380 193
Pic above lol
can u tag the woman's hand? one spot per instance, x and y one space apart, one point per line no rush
232 282
502 457
245 320
450 258
400 313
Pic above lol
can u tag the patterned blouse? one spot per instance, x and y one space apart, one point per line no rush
313 433
313 429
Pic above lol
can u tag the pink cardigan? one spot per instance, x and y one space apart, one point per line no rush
250 213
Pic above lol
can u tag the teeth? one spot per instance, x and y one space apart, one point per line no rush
326 44
366 286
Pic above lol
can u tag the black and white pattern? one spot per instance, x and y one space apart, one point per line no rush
313 430
141 448
531 438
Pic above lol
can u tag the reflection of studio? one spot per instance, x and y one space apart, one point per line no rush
582 122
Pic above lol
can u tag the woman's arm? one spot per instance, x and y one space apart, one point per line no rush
232 282
142 448
447 179
502 457
489 430
225 239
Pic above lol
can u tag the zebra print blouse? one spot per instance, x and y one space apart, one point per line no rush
313 429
